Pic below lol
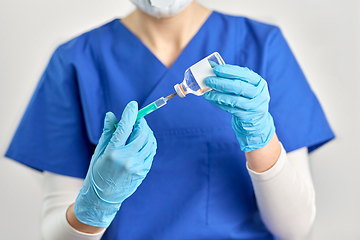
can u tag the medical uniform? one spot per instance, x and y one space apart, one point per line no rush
198 186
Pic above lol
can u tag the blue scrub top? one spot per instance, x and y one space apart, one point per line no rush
198 186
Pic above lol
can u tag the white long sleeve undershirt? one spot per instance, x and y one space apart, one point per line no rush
284 194
59 193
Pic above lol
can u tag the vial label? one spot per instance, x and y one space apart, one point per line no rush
202 70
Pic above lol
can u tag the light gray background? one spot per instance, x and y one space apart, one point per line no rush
323 34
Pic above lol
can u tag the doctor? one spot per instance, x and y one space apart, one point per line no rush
229 165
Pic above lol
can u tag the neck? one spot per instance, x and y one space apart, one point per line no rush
167 37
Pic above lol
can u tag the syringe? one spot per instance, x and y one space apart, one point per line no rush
154 105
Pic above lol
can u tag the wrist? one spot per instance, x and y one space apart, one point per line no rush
254 134
79 226
91 210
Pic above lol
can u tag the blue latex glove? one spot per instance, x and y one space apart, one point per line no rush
117 167
245 95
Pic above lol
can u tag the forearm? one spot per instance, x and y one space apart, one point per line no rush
285 198
263 159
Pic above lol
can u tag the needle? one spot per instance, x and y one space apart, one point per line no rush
171 96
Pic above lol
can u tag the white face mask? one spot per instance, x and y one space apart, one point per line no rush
161 8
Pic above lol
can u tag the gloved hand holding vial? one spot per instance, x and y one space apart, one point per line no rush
238 90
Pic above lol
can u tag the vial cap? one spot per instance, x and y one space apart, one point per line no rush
179 91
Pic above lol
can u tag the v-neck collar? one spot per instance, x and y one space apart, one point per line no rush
143 69
137 39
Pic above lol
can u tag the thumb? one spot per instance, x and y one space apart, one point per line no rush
125 126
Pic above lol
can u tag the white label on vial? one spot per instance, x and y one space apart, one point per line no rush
202 70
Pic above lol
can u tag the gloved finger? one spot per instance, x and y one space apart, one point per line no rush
234 86
150 157
125 125
236 102
140 124
139 137
108 130
236 72
141 159
212 63
145 157
226 108
149 147
244 115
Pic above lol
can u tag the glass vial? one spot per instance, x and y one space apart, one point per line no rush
194 77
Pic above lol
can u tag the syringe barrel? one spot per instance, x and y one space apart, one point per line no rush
160 102
151 107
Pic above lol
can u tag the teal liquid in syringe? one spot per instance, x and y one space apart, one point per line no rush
154 106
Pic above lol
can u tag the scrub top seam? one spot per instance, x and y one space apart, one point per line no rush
193 131
207 208
238 39
100 60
